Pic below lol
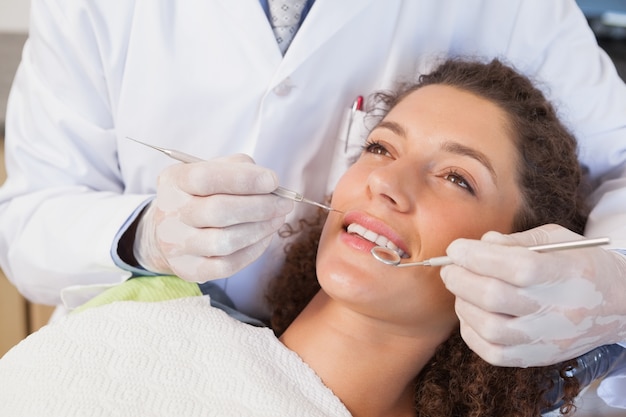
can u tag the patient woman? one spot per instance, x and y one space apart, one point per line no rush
471 148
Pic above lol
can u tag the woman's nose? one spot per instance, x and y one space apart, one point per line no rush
394 184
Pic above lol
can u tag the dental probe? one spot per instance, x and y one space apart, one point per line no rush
391 257
280 191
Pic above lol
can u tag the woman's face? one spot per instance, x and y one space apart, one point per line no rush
441 165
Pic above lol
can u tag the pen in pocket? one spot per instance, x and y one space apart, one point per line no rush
356 106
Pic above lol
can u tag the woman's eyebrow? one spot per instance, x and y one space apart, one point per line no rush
463 150
393 126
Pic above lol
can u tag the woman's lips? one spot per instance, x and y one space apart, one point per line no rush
364 232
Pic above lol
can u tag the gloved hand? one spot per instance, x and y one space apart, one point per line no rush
209 219
523 308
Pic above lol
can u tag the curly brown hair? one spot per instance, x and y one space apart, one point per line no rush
456 381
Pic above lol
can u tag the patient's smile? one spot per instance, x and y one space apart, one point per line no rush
374 237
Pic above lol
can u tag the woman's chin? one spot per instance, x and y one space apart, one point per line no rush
352 282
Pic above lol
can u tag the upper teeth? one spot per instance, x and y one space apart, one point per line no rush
374 238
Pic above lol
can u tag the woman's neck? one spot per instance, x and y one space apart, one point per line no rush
369 364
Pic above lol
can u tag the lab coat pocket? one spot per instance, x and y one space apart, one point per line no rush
348 145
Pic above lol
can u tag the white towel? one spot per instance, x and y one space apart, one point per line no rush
172 358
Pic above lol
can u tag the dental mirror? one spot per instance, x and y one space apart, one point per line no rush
391 257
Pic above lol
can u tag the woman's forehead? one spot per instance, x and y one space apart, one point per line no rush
438 110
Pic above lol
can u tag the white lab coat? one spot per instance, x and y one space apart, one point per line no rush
207 78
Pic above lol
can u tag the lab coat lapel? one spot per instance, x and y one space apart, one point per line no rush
332 16
251 21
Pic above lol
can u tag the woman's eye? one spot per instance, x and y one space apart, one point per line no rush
459 180
376 148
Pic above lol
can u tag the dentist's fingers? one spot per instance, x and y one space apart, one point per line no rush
202 212
521 308
507 258
179 240
235 174
202 269
495 295
210 219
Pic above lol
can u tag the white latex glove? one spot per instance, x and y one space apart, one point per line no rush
210 219
523 308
